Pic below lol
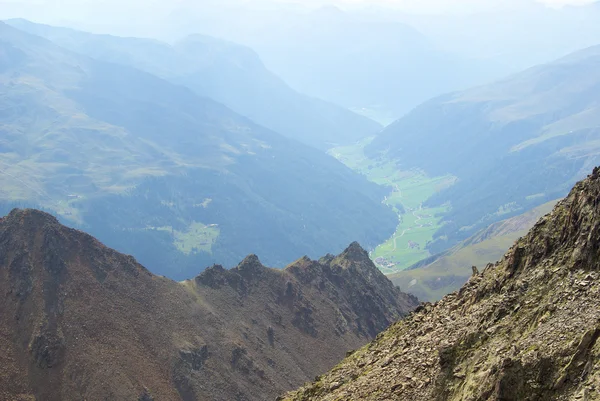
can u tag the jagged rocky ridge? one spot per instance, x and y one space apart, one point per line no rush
81 321
525 328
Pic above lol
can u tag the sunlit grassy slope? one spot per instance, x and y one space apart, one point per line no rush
514 144
441 276
408 191
196 238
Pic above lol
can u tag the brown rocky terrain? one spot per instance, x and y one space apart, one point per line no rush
525 328
81 321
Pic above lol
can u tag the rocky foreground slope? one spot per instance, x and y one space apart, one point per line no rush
81 321
526 328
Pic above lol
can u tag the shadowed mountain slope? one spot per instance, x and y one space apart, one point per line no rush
81 321
526 328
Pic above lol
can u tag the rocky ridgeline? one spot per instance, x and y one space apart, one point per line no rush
525 328
81 321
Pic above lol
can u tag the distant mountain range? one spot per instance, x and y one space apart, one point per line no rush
514 144
81 321
377 65
223 71
178 180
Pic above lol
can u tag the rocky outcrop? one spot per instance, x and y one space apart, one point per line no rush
81 321
526 328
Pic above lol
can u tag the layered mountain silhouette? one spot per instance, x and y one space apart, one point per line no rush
525 328
178 180
82 321
226 72
357 59
514 145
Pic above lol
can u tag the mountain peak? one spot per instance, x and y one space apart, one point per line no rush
355 253
329 10
250 264
30 217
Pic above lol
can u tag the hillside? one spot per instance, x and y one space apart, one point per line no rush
226 72
514 144
525 328
81 321
433 278
177 180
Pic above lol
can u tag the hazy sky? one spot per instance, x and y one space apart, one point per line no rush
441 3
133 17
422 5
443 6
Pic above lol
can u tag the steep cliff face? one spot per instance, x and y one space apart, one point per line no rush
525 328
81 321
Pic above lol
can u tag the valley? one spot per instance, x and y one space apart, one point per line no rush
417 223
514 144
376 113
179 183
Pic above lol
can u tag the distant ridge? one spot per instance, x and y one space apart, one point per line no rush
226 72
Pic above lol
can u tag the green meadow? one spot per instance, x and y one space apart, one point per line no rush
408 191
196 238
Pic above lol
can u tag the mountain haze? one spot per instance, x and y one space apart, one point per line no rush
365 62
372 63
522 34
526 328
81 321
226 72
175 179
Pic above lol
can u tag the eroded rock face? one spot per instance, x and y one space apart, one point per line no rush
81 321
195 358
526 328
